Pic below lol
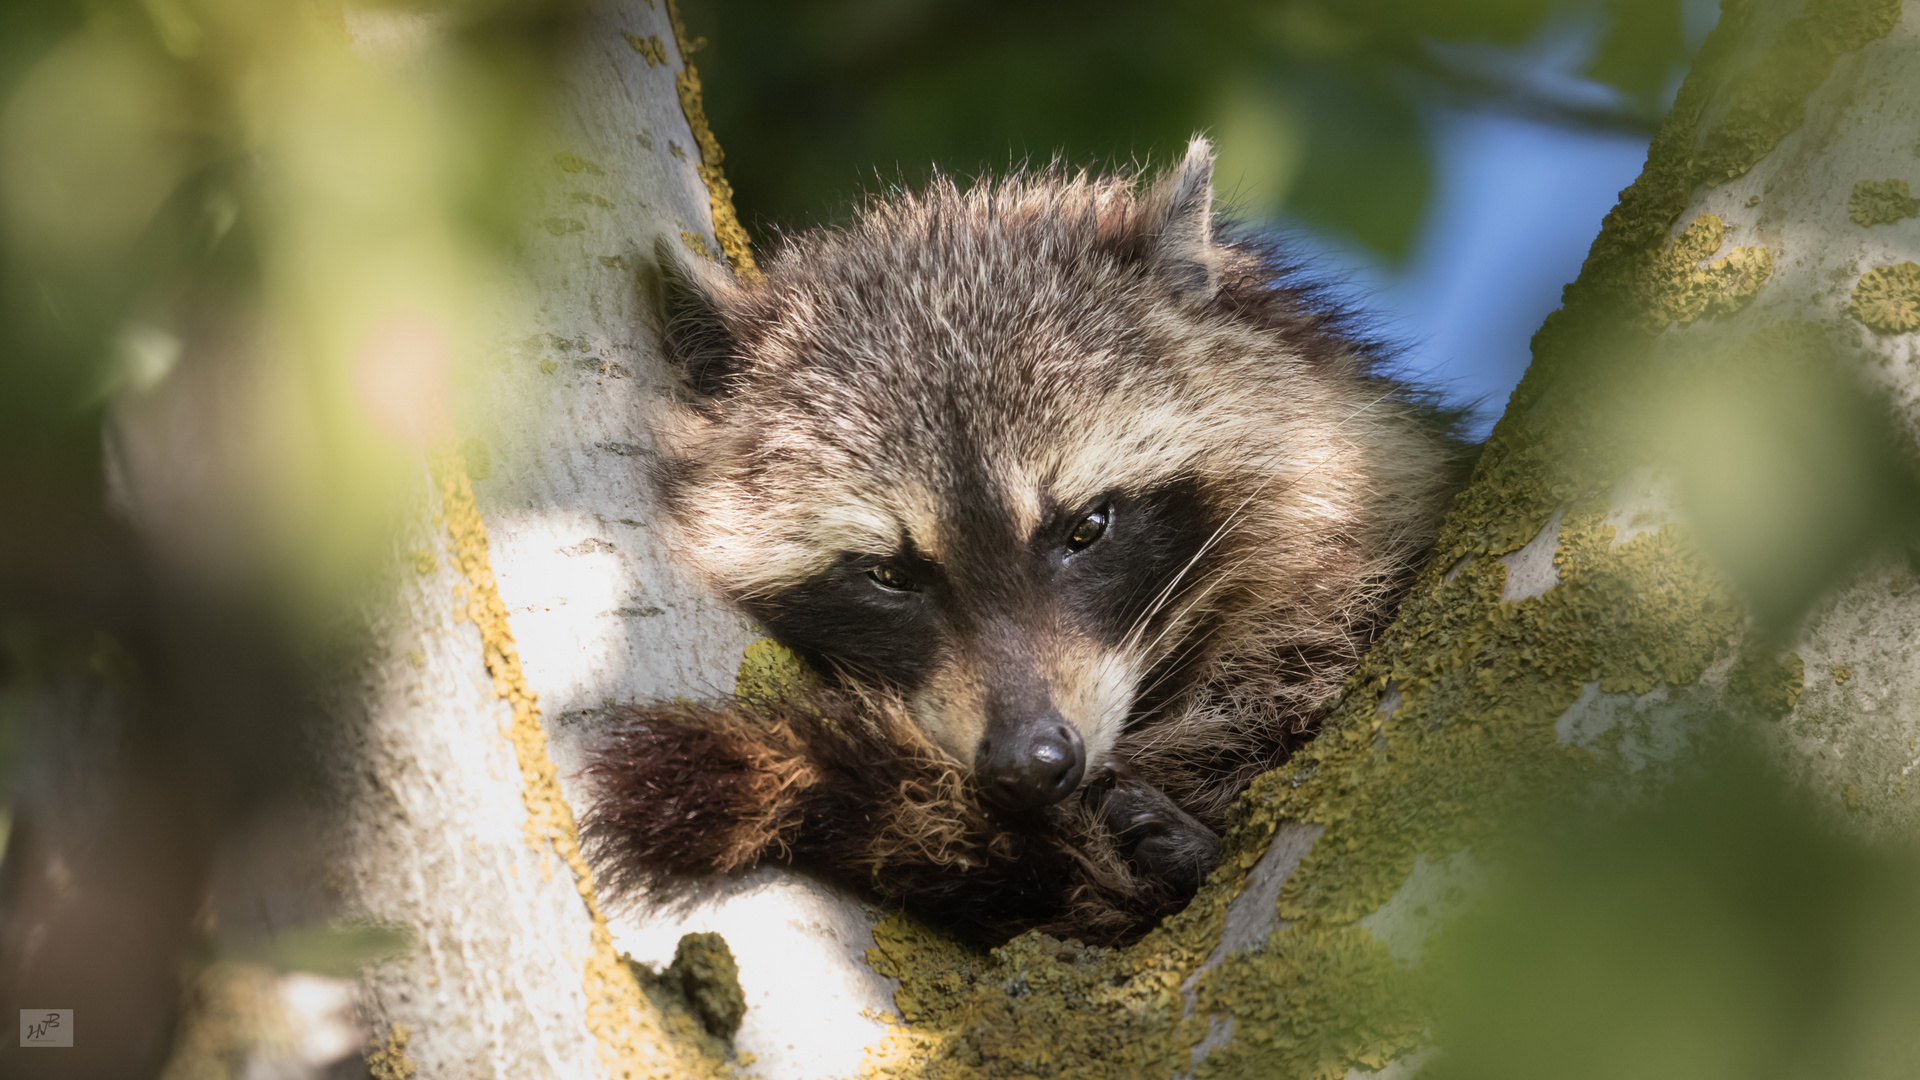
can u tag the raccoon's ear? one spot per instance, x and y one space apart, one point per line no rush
700 347
1179 210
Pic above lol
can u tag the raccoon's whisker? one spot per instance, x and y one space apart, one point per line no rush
1166 591
1223 575
1189 632
1185 646
1189 627
1189 641
1178 621
1231 521
1132 638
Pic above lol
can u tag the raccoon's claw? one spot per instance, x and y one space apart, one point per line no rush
1162 840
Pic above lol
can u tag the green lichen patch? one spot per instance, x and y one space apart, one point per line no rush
650 48
570 162
1737 279
1887 299
1769 685
387 1059
708 976
769 672
699 1006
1881 202
1312 1004
1033 1007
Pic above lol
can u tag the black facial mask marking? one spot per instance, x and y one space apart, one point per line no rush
998 591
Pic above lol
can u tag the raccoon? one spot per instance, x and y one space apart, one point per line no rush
1079 508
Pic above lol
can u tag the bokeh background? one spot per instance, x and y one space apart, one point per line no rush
177 176
1451 161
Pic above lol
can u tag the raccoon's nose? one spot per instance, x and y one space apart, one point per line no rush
1034 766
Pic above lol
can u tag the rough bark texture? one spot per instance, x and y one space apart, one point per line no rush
1571 630
1566 609
463 835
454 831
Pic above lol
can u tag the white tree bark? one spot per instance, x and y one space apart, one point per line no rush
1852 732
536 594
600 616
440 810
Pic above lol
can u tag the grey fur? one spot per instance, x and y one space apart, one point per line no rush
955 364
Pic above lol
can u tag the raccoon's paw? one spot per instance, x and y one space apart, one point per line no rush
1163 841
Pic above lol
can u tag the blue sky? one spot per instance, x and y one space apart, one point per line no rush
1515 206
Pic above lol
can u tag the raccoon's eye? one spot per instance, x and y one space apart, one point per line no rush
1091 528
890 576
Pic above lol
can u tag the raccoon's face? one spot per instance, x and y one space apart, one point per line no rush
1019 641
990 451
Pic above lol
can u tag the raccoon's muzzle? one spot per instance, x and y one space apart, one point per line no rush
1029 765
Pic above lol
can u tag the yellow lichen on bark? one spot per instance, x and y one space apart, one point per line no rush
726 223
388 1059
1887 299
1482 681
1680 290
634 1043
1881 202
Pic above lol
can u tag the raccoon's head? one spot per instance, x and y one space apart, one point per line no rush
1021 454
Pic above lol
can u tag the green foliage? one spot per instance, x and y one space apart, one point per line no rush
171 171
705 970
336 948
1793 475
1727 929
1317 105
1641 47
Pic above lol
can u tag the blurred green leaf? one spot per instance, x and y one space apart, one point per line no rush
1728 930
817 101
1791 472
1368 162
336 948
1642 47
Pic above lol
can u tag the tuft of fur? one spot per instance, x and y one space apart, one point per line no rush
943 386
845 784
